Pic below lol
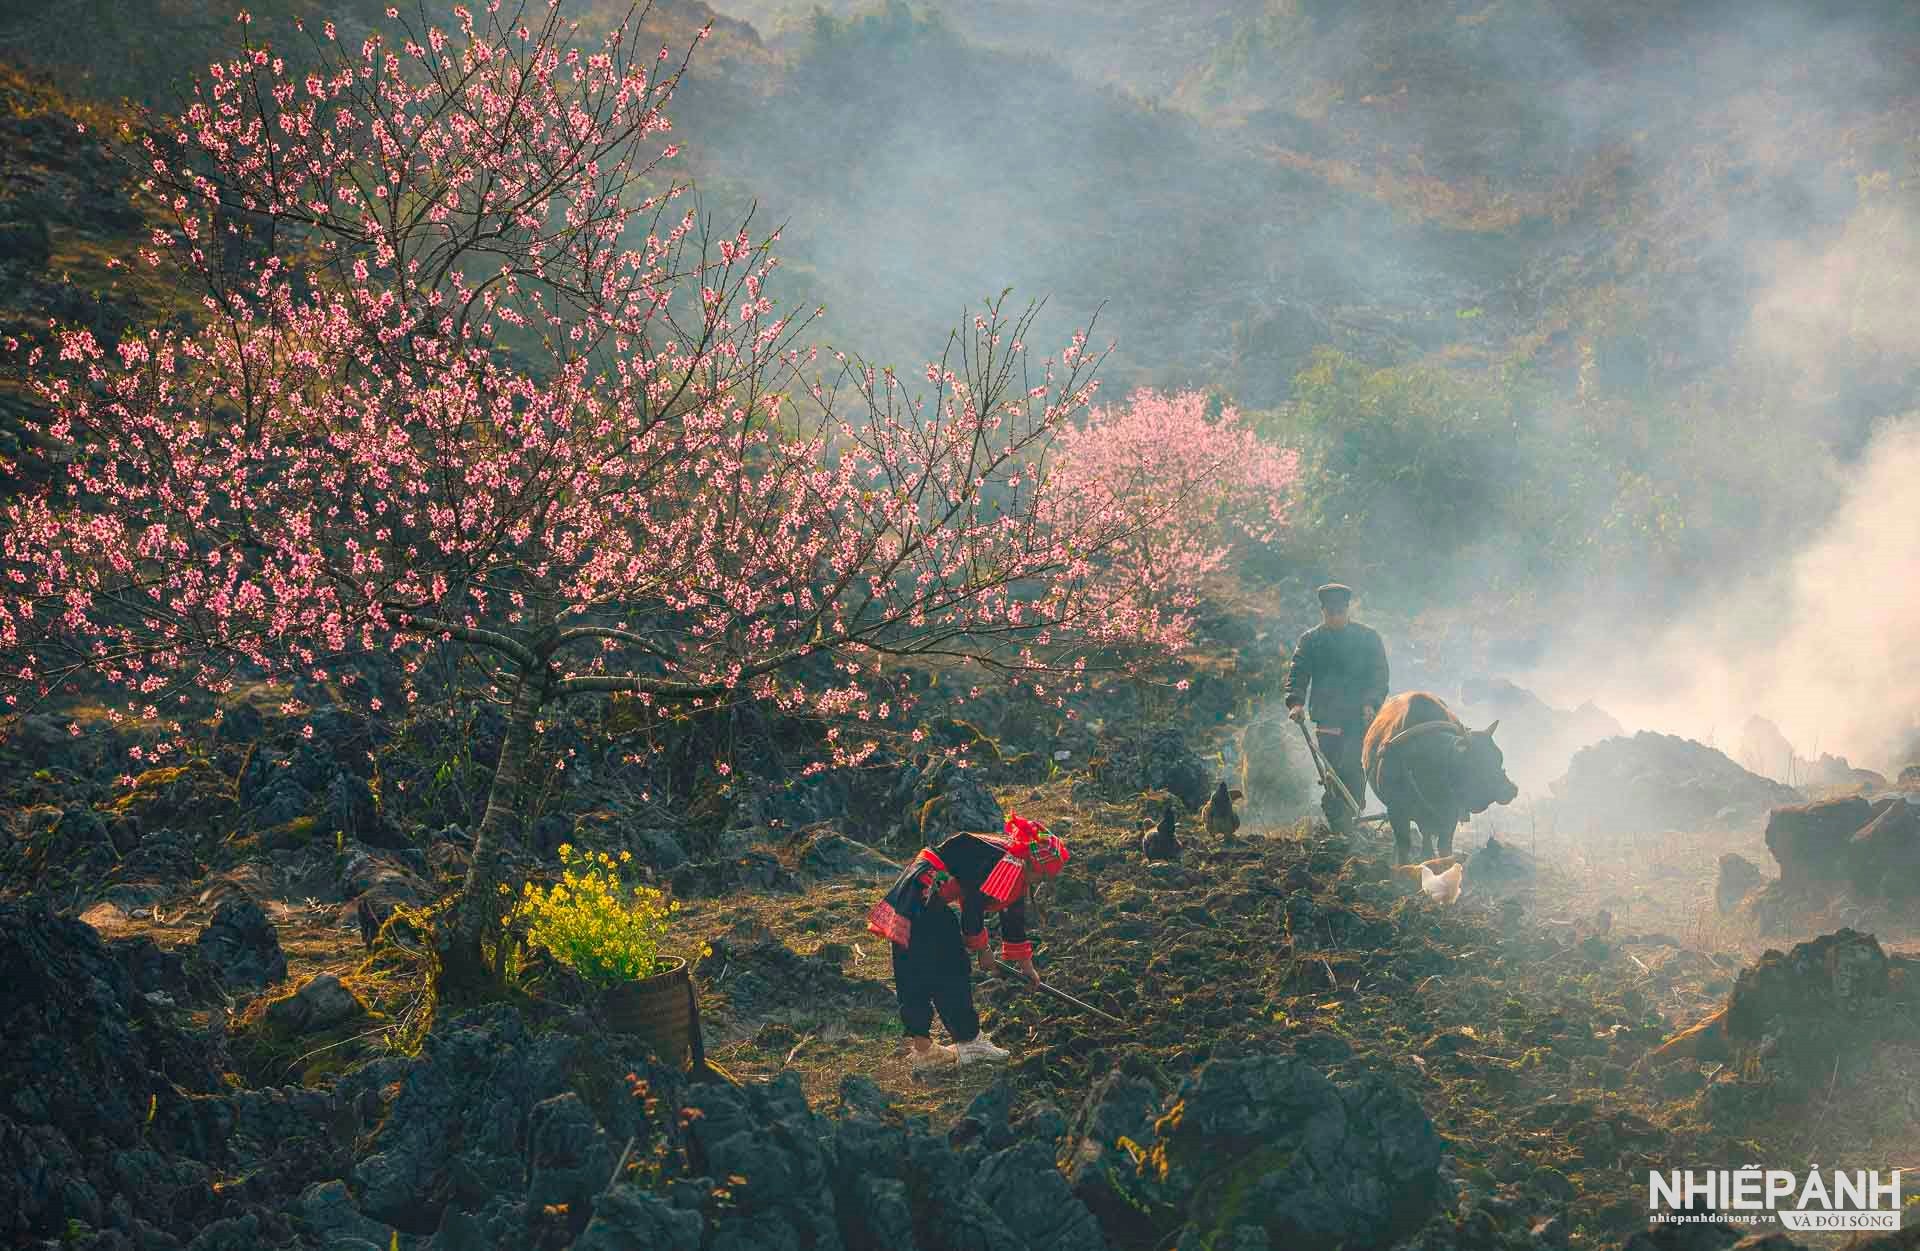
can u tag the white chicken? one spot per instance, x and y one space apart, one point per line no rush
1439 864
1442 887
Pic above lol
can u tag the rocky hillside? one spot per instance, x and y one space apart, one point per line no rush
1302 1054
1477 261
1287 1045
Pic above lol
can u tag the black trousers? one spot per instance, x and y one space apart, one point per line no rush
1341 745
933 973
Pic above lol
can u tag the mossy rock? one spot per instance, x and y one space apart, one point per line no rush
1228 1203
147 783
330 1067
53 847
274 1039
1270 1142
263 1057
235 849
195 792
40 819
26 239
290 836
600 830
963 803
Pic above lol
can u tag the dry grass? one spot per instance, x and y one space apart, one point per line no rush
390 982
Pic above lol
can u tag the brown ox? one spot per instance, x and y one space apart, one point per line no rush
1431 771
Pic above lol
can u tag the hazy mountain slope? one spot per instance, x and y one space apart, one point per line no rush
920 171
66 221
1392 178
1666 249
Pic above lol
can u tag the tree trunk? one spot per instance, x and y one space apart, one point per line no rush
475 916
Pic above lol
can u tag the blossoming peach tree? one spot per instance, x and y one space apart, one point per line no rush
1204 483
467 375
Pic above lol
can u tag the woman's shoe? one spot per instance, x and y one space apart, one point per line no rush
979 1047
938 1056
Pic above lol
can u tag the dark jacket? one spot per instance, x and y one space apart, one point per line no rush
958 871
1337 673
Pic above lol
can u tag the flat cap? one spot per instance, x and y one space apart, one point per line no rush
1334 590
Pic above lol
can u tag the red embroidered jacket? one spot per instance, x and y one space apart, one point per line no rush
972 870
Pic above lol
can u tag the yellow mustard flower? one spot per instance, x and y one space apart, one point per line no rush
606 930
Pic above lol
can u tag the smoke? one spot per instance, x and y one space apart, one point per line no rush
1814 620
1826 645
1738 300
1762 362
1843 312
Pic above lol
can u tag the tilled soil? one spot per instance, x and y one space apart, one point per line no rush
1516 1015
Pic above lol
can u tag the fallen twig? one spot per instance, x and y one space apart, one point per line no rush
1171 944
1828 1105
796 1050
297 1061
621 1167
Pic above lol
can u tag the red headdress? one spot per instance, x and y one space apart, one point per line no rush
1028 846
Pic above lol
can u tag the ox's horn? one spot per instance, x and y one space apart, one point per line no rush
1490 729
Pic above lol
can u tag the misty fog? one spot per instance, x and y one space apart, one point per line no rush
1690 230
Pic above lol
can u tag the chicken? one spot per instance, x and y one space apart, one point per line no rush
1160 842
1437 865
1221 818
1442 887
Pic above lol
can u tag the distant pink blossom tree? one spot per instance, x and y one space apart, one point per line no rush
1199 485
466 379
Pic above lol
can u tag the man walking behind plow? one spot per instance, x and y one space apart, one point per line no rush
1339 678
